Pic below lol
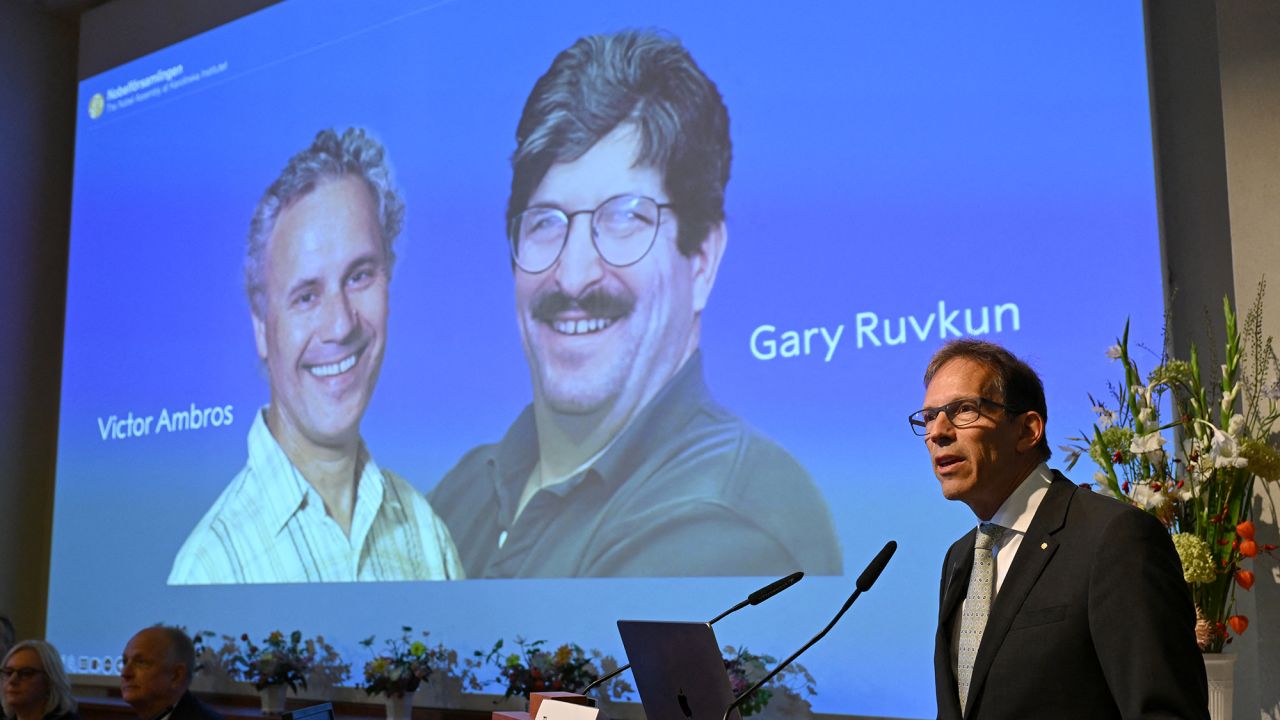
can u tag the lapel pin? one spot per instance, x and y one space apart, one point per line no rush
1044 546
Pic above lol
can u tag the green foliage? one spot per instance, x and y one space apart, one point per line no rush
405 664
533 668
746 668
278 660
1221 436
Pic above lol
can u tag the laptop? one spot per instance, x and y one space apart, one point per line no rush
323 711
678 669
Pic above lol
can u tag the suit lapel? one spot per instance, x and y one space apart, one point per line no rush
1037 547
955 584
956 577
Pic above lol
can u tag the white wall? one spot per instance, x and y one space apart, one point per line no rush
1249 57
1215 70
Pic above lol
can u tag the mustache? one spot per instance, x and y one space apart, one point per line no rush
597 302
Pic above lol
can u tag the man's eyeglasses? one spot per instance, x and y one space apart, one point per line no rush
23 674
964 411
623 229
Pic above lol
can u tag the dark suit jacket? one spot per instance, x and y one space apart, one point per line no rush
1093 620
190 708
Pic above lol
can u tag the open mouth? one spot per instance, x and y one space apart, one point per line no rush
593 312
942 462
583 326
334 369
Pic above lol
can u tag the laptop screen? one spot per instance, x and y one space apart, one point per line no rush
678 669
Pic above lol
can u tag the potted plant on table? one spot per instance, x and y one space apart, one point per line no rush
789 690
398 672
277 663
534 668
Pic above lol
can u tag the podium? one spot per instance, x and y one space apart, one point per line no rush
535 707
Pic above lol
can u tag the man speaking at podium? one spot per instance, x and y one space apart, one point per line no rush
624 465
1061 603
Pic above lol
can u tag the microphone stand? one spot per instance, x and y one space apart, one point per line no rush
864 583
754 598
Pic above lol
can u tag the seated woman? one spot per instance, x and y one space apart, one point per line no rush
35 685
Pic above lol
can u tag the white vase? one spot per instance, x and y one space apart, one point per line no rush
1221 669
400 707
444 691
272 699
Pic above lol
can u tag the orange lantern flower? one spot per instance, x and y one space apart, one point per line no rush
1244 578
1238 623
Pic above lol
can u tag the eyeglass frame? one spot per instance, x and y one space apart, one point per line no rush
921 427
23 674
568 227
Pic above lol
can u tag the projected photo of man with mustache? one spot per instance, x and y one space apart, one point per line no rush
624 465
310 504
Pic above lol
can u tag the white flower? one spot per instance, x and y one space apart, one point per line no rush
1147 444
1225 461
1149 499
1106 418
1146 416
1224 449
1142 393
1222 441
1113 352
1229 399
1235 425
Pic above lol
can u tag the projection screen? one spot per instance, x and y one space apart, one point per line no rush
897 176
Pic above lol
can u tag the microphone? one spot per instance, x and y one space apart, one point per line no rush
754 598
877 565
863 584
762 594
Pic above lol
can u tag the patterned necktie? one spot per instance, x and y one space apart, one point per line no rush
977 605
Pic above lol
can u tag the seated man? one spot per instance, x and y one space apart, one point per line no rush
311 505
156 676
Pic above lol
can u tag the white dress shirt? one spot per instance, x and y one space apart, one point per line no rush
270 526
1015 515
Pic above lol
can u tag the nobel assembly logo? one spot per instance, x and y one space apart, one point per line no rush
142 89
96 103
143 85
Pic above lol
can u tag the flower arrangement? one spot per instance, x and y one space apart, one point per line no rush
745 668
535 669
280 660
1203 490
404 665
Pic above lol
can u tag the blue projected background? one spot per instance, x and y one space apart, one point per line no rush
902 173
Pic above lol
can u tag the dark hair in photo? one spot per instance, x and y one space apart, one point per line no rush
646 79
